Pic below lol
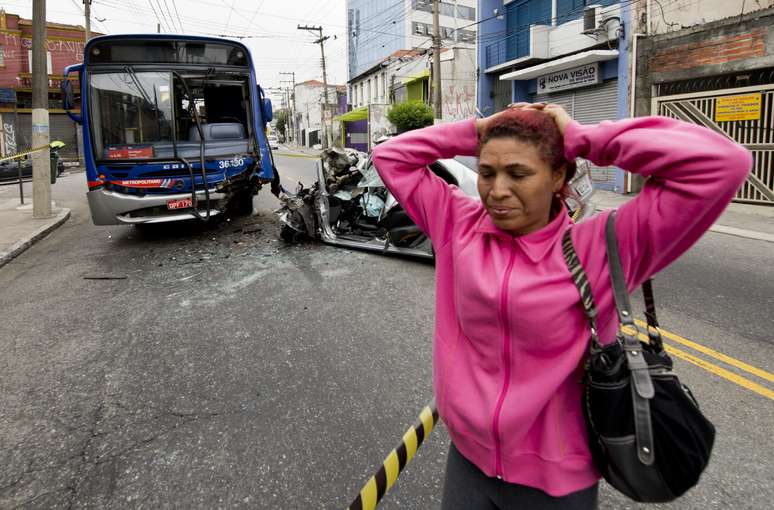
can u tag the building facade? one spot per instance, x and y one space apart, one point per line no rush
64 47
569 52
379 28
713 64
310 113
405 76
708 62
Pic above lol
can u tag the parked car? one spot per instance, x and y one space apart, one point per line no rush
273 142
349 205
9 169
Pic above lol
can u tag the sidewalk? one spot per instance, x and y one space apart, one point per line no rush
19 230
741 220
285 149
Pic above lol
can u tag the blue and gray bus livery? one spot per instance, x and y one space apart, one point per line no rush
174 128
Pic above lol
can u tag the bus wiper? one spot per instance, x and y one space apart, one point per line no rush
137 83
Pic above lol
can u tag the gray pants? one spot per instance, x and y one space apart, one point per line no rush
467 488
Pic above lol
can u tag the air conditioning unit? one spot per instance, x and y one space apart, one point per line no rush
592 15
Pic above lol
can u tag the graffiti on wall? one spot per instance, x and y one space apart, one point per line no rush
13 41
56 46
9 138
378 124
8 53
459 102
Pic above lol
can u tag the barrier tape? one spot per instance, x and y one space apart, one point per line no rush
375 489
24 153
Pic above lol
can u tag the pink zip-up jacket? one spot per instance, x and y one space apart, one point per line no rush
509 330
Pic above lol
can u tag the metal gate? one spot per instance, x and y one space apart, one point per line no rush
755 135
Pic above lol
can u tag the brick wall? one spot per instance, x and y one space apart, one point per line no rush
64 42
717 50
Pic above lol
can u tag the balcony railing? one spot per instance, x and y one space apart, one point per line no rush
512 47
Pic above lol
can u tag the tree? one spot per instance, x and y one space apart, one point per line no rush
282 122
410 115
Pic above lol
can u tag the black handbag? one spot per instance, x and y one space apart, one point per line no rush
647 436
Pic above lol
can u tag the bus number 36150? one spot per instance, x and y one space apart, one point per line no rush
231 163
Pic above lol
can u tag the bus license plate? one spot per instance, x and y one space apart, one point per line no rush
182 203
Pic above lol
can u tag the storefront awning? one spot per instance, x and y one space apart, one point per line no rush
411 79
560 64
353 115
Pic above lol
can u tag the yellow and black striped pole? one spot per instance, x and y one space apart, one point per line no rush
375 489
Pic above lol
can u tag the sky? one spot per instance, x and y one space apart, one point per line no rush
274 40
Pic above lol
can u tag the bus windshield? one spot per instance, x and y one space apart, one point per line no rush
148 114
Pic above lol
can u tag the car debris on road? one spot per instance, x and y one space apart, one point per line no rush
349 205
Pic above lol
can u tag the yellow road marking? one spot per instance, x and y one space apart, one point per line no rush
710 367
722 372
715 354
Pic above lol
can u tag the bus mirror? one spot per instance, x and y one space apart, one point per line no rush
68 100
267 112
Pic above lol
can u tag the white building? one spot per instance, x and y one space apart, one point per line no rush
309 99
405 75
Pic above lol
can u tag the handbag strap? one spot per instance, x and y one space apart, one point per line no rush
642 385
654 332
581 281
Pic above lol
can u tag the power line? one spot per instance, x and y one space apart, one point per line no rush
150 2
230 12
174 4
171 17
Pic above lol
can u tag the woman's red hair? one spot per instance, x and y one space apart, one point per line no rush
533 127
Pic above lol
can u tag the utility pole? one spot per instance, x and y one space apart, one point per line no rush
293 103
87 13
41 166
321 41
438 105
158 28
286 99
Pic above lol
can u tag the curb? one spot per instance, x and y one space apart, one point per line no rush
20 246
296 155
741 232
722 229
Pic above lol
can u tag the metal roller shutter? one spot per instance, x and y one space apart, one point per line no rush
60 127
590 106
502 94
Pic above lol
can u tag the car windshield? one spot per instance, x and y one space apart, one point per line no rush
147 115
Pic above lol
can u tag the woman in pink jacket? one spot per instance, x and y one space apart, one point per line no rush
510 334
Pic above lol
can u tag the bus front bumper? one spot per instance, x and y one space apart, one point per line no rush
112 208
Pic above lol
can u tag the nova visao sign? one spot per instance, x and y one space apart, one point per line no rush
569 79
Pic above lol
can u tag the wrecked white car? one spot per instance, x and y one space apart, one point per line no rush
349 205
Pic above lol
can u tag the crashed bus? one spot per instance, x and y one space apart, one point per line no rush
174 128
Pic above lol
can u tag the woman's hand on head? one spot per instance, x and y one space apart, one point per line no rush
556 112
559 114
482 123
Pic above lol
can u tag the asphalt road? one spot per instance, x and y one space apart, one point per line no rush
226 369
